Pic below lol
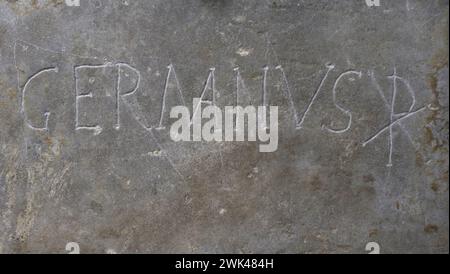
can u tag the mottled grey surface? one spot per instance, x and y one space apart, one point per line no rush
132 190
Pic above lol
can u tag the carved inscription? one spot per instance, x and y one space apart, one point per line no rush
120 93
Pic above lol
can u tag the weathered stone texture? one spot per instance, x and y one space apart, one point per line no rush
132 190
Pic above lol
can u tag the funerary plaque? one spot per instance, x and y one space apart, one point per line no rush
224 126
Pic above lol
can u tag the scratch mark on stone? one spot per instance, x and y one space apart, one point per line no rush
60 52
390 124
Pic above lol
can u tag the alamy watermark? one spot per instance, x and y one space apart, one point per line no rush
73 3
373 3
233 123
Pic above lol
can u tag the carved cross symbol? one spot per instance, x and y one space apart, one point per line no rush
395 118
